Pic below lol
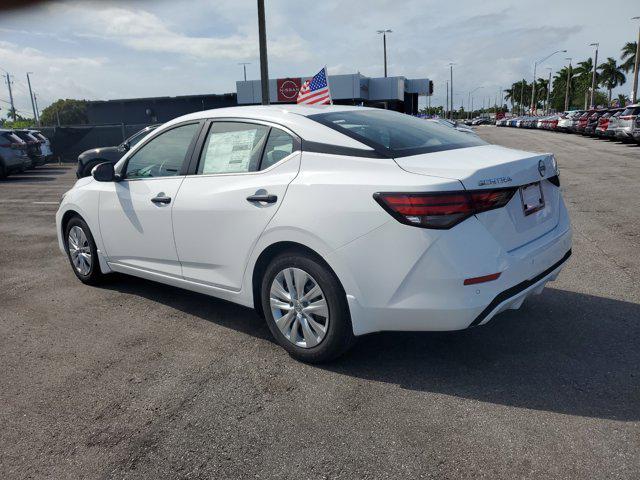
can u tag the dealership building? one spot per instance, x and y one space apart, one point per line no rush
395 93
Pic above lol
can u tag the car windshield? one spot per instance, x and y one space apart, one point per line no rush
136 137
396 134
631 111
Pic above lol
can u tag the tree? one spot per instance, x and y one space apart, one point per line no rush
69 112
19 122
518 95
542 84
611 75
623 100
628 56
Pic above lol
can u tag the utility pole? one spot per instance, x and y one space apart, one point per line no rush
264 68
244 68
634 92
35 101
566 92
33 105
593 76
13 108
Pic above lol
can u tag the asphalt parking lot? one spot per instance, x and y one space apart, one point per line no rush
139 380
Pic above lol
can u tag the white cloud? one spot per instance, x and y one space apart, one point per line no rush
144 31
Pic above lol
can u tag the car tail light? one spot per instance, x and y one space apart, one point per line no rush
441 210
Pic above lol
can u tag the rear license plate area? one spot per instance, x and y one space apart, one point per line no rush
532 198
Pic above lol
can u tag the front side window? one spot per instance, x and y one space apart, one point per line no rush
233 147
396 134
164 155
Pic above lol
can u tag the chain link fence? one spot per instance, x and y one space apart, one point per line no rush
67 142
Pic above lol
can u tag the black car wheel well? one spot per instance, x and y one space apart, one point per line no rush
271 252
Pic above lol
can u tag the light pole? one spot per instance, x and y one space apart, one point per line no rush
546 103
446 113
470 99
264 67
384 46
634 92
451 86
533 85
244 68
566 92
593 76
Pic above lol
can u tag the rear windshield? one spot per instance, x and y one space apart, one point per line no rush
12 137
396 134
631 111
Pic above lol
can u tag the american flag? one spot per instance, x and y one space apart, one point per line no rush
315 91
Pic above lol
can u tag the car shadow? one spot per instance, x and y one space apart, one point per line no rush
563 352
26 178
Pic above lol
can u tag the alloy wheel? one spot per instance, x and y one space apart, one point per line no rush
299 307
79 250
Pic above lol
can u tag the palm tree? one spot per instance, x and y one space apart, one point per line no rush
623 100
584 70
611 75
628 56
542 84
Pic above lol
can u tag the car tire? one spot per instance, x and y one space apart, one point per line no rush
337 336
79 242
3 171
86 171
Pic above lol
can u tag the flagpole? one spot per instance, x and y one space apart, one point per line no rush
326 74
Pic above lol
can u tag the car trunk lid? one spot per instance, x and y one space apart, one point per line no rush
493 167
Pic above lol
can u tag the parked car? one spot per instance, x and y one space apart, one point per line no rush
13 153
612 126
45 145
592 122
636 129
325 219
90 158
582 121
569 120
604 120
458 126
626 123
33 147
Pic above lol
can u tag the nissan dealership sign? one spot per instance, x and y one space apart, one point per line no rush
288 89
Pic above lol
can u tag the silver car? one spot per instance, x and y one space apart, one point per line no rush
627 122
13 153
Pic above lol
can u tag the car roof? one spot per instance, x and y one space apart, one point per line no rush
293 117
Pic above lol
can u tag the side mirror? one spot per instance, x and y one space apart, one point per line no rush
104 172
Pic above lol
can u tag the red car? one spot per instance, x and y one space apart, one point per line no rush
582 121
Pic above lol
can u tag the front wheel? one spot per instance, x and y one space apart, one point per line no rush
82 252
306 308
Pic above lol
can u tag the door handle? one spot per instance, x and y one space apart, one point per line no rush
159 199
263 198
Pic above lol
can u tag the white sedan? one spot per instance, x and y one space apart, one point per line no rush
332 222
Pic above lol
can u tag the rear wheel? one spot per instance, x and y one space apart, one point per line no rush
306 308
3 171
82 252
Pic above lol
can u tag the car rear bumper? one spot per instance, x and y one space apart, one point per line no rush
410 279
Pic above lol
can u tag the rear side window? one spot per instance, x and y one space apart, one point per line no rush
279 146
396 134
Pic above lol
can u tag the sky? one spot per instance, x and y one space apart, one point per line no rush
125 49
